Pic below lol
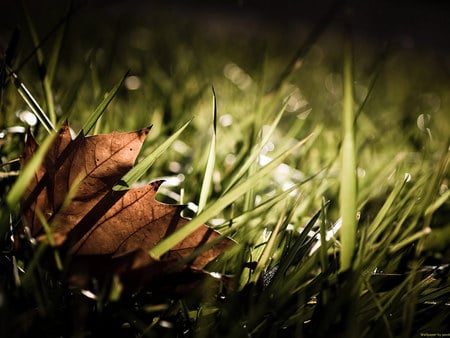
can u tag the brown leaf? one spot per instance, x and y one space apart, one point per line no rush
101 231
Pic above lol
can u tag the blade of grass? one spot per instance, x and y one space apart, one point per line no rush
347 195
140 169
32 103
27 173
89 124
221 203
209 171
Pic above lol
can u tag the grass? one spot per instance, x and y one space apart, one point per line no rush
340 150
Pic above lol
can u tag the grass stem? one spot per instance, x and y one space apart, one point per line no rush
347 196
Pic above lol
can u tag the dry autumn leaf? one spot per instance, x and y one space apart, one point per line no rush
102 232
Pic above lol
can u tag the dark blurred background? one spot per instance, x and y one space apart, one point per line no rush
172 40
425 22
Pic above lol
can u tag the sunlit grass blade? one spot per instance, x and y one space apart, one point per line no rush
132 176
347 195
32 103
209 171
221 203
92 119
27 173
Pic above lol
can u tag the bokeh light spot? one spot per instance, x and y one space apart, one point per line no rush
132 82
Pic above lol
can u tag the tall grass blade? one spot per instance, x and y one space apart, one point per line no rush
347 195
132 176
221 203
32 104
209 171
27 173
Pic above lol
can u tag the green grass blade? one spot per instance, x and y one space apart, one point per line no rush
221 203
89 124
140 169
347 195
27 174
32 104
209 171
